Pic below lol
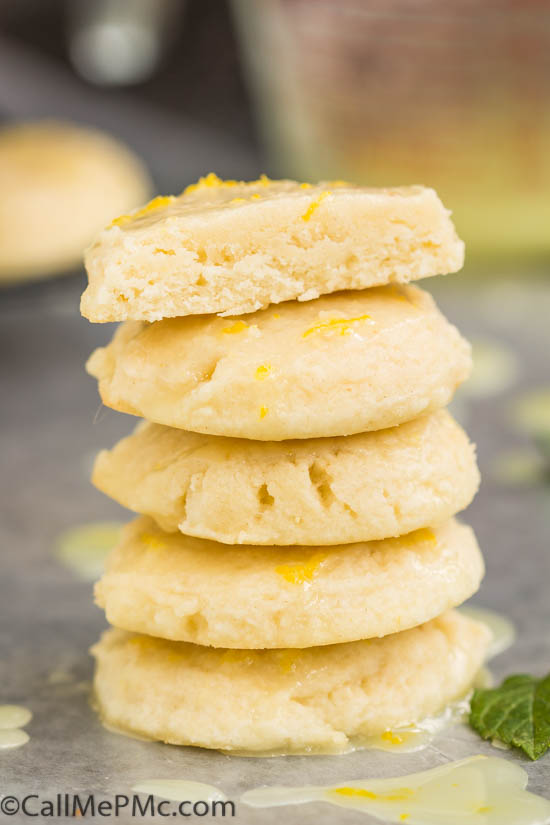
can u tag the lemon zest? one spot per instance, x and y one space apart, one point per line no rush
314 205
342 324
212 181
238 326
422 535
399 795
392 738
301 572
360 792
208 182
153 541
156 203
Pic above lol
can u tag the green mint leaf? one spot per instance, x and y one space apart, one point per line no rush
517 713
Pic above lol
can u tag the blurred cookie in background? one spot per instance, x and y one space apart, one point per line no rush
61 183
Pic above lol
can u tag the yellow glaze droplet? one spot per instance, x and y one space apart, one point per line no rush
288 659
392 738
263 371
495 368
302 572
234 329
263 412
237 656
422 535
341 325
156 203
413 737
13 738
14 716
238 200
314 205
474 791
305 186
504 632
355 792
519 467
152 541
142 642
532 413
398 294
398 795
84 548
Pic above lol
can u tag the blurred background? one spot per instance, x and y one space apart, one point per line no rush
455 95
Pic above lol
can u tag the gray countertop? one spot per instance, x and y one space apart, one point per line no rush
51 426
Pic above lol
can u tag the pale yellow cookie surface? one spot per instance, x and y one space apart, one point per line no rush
323 699
230 247
60 184
188 589
315 491
345 363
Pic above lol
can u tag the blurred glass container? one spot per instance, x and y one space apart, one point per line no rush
120 42
455 95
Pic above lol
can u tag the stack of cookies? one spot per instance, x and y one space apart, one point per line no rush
289 584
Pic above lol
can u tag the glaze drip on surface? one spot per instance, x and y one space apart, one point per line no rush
180 790
12 719
84 548
406 739
475 791
504 632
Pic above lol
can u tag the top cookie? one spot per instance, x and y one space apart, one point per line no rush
231 247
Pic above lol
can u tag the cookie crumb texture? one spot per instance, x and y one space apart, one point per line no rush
317 699
231 247
318 491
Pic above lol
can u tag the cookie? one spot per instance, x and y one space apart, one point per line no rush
60 184
230 247
194 590
323 699
345 363
315 491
